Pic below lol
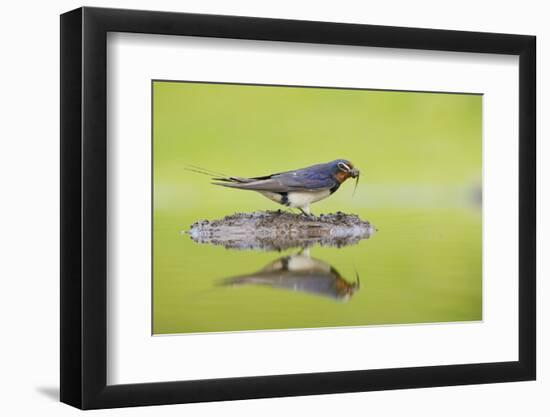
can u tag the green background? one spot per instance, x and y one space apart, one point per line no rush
420 159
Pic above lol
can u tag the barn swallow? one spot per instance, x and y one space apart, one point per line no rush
301 273
295 189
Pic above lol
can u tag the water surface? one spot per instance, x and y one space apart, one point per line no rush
422 265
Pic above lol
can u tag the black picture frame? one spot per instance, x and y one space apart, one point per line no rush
84 207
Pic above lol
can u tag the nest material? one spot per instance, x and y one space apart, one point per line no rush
280 230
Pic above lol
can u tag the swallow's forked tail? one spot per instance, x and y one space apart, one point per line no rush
225 179
204 171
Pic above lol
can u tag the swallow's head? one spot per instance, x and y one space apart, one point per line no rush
342 169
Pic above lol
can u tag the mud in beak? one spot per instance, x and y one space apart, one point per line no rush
355 174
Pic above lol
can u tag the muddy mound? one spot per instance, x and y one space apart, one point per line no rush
280 230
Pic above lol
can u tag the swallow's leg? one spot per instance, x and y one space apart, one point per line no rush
306 212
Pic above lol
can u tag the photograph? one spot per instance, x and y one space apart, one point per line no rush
286 207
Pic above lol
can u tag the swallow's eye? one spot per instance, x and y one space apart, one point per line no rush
344 167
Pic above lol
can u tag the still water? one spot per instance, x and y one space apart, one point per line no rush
422 265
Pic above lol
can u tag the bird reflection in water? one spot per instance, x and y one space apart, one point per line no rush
300 273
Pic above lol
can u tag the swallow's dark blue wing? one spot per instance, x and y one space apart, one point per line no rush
307 179
314 178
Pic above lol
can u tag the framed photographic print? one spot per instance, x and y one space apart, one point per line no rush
258 207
